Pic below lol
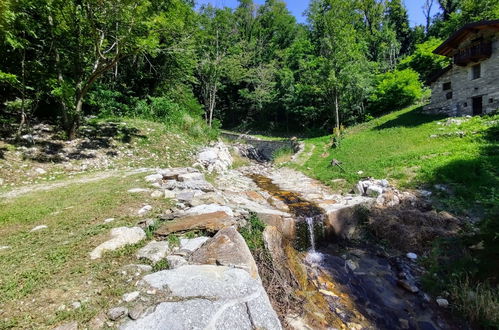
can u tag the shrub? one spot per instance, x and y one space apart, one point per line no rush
423 61
395 90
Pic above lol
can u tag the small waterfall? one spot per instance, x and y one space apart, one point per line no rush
310 224
313 256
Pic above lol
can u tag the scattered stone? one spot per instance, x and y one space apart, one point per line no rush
136 312
374 191
154 251
412 256
76 305
209 208
185 196
121 236
108 220
146 223
154 177
4 247
116 313
169 194
138 190
40 171
214 297
442 302
144 210
408 286
360 172
176 261
191 177
192 244
131 296
211 222
68 326
226 248
40 227
173 173
157 194
351 264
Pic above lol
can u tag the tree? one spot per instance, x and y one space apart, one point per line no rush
399 19
448 7
427 7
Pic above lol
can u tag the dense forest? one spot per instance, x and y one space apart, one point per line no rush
252 67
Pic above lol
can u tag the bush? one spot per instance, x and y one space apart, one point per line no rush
395 90
110 103
423 61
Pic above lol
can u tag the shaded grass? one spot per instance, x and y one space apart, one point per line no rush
412 150
46 269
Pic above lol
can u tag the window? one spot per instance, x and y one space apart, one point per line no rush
447 86
448 95
476 71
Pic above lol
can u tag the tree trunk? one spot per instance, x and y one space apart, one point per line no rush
337 112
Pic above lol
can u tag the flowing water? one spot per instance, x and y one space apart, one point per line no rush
358 281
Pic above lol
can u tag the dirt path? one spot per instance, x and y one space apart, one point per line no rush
17 192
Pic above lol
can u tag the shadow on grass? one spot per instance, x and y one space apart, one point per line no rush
411 118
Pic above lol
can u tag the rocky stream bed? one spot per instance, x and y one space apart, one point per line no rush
316 271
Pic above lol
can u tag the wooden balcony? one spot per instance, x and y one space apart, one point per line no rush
474 53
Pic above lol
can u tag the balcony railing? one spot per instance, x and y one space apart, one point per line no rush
474 53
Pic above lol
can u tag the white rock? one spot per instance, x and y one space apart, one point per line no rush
144 210
40 227
154 251
138 190
169 194
192 244
154 177
131 296
176 261
190 177
360 172
108 220
76 305
121 236
359 188
157 194
443 302
374 191
40 170
384 183
412 256
209 208
4 247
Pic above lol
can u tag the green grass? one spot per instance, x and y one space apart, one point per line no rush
46 269
282 156
411 150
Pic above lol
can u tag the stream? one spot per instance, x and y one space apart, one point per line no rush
361 285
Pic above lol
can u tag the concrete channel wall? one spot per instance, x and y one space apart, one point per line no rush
265 148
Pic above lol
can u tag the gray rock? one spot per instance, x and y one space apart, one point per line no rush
137 190
121 236
157 194
154 177
209 208
68 326
442 302
40 227
175 261
408 286
154 251
359 189
192 244
136 312
374 191
185 196
116 313
108 220
191 177
131 296
412 256
216 298
144 210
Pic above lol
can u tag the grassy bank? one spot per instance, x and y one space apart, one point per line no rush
457 159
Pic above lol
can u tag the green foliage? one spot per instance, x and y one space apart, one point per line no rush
160 265
253 233
395 89
423 61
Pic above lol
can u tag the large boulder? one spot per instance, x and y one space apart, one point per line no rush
215 159
154 251
227 248
119 237
211 222
208 297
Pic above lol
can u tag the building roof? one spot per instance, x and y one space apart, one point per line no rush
457 37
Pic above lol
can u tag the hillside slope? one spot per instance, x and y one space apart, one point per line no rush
456 158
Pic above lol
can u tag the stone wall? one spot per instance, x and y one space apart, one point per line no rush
464 88
265 148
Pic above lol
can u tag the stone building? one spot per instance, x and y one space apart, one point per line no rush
470 85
